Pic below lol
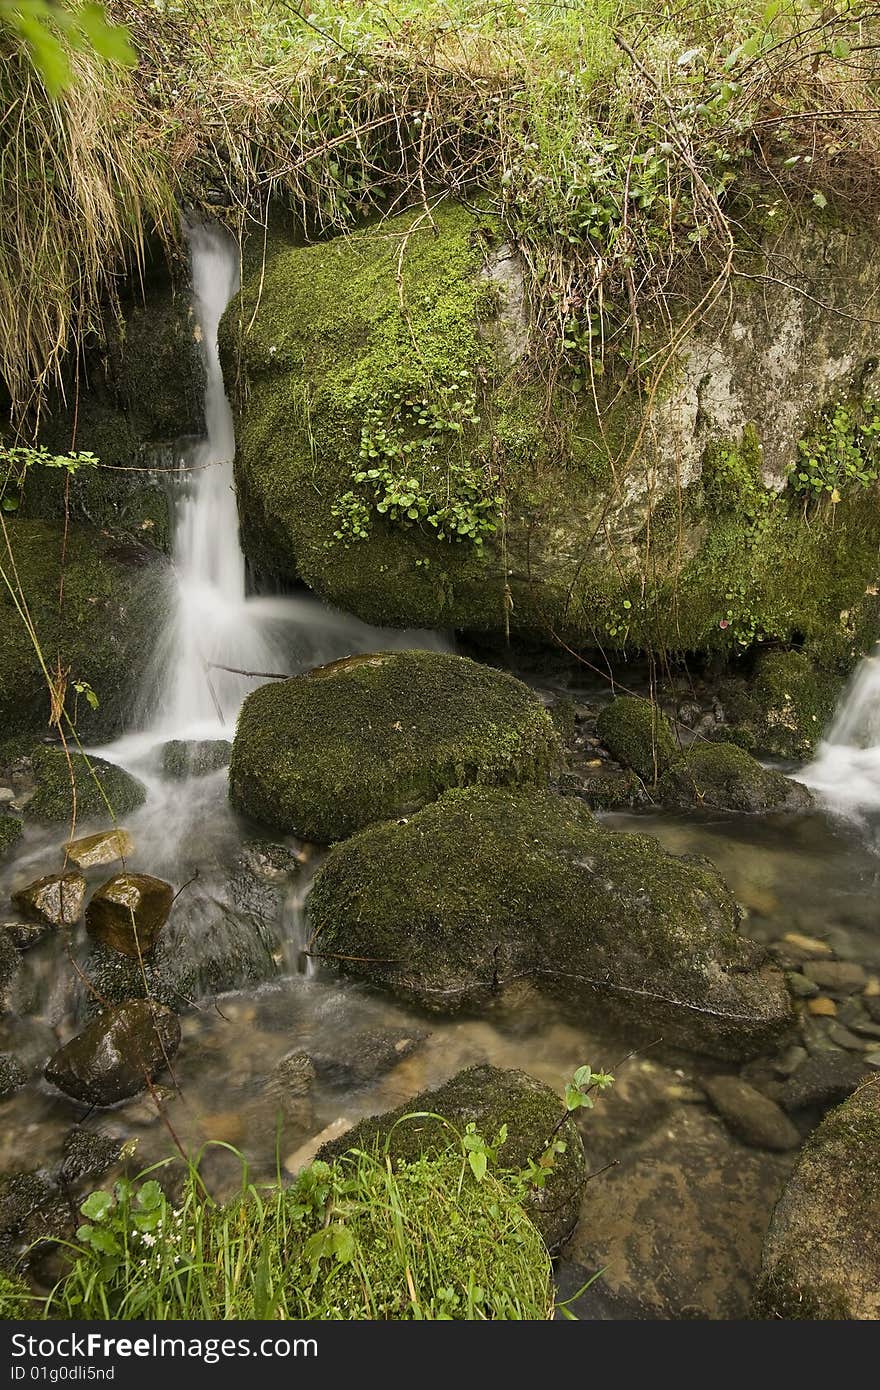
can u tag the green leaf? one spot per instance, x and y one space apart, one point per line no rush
820 200
97 1205
478 1163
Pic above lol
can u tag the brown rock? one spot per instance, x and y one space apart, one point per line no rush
751 1116
807 945
128 912
56 899
117 1053
822 1006
103 848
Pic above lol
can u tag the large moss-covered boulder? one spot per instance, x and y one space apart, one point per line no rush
486 886
101 787
637 733
723 777
382 396
489 1098
104 631
822 1251
371 737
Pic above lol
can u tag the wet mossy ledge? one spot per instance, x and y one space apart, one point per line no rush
103 623
487 885
821 1257
381 368
373 737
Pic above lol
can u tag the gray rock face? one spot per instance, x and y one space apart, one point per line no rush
677 1226
488 1097
128 912
56 900
751 1116
822 1252
114 1055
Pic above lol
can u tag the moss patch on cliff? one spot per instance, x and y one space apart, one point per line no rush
371 737
104 630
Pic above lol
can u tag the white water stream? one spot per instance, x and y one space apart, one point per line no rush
846 770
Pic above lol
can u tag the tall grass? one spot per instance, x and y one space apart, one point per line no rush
360 1238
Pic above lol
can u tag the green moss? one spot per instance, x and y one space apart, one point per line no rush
637 733
489 1098
724 777
371 737
486 885
104 632
194 757
796 701
102 788
10 830
16 1300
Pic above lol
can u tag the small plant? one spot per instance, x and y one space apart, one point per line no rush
16 461
841 452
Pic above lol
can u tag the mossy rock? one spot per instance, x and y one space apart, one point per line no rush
10 832
637 733
183 758
486 886
785 708
101 787
673 534
489 1098
723 777
822 1252
322 755
105 631
16 1299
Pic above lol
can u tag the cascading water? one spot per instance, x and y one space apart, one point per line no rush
846 770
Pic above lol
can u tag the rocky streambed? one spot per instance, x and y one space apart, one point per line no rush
525 876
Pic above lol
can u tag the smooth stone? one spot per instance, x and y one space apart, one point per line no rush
865 1027
128 912
800 986
790 1060
751 1116
823 1081
840 976
842 1037
822 1006
57 900
113 1057
872 1005
366 1055
809 945
103 848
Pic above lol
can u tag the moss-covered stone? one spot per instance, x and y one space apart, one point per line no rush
104 630
783 710
637 733
12 1075
822 1252
182 758
16 1300
487 885
10 832
366 738
489 1098
723 777
612 536
102 788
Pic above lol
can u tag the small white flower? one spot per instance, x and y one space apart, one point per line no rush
148 1238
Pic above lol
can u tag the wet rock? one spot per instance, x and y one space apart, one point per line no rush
114 1055
842 1037
614 792
822 1081
806 945
790 1060
128 911
86 1154
367 1055
637 733
486 886
676 1227
56 900
10 965
12 1075
261 876
10 832
749 1115
99 784
839 976
822 1253
722 777
376 737
488 1097
800 986
24 935
289 1088
182 758
104 848
32 1210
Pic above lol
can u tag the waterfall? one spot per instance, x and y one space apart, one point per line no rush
846 770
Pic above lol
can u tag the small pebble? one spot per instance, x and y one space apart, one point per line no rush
822 1006
808 944
6 795
844 1038
800 986
841 976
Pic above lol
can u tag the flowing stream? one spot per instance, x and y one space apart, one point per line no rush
845 773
